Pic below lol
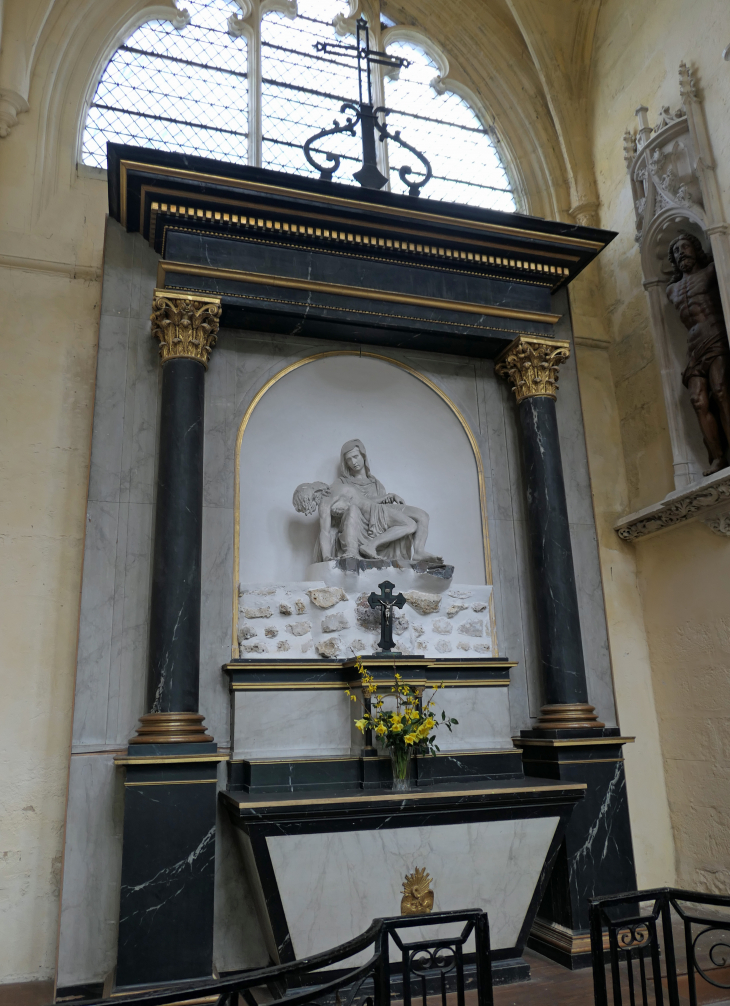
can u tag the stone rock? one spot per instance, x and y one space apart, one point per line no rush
286 609
417 629
454 609
474 627
334 622
367 617
283 645
329 647
482 648
425 604
421 647
271 631
460 593
254 648
262 612
264 591
479 606
299 606
400 624
326 597
461 645
357 646
246 632
443 646
306 645
443 627
298 628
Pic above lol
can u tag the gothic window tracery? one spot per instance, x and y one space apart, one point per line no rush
235 89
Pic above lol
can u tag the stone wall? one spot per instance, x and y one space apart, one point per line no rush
682 573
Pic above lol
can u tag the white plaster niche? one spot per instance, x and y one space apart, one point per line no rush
292 604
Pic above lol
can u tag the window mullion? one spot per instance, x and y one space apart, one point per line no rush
255 129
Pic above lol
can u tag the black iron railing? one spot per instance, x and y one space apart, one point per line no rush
426 967
652 947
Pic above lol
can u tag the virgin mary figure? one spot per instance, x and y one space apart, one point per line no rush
359 518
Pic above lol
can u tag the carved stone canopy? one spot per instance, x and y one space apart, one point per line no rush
186 328
531 366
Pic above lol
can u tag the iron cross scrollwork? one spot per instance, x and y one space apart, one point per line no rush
369 175
386 602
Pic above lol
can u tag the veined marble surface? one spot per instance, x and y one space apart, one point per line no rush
352 877
278 620
291 724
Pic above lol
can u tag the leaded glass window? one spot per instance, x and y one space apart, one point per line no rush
189 90
175 89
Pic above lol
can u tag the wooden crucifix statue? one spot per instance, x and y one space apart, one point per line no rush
386 602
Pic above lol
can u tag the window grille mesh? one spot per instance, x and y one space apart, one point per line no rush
187 90
175 89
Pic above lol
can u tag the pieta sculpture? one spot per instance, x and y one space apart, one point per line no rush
359 518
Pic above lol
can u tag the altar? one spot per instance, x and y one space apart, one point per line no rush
354 388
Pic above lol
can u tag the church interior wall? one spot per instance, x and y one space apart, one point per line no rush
680 573
51 259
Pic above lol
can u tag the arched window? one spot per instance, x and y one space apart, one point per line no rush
183 89
198 90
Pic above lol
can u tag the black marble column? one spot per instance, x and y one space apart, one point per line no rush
168 853
531 366
568 743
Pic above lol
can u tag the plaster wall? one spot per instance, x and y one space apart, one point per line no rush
678 578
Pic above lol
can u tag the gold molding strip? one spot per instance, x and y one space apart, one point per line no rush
292 664
295 686
172 782
573 761
414 373
440 251
360 292
374 208
170 759
520 742
411 795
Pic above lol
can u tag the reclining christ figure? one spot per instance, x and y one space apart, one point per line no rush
358 518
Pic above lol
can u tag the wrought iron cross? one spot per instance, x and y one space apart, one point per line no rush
386 602
369 175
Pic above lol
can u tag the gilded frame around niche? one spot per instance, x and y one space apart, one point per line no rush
424 380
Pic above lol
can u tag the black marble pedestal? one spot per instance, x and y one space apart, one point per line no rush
596 856
168 864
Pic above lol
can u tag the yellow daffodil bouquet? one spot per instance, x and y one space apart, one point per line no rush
409 728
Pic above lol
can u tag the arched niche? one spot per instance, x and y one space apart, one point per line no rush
688 451
418 445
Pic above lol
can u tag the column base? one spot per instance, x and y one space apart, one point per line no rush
570 948
568 716
171 728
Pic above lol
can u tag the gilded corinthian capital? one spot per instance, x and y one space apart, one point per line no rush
531 364
186 327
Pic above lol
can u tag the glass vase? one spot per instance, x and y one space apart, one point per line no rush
401 764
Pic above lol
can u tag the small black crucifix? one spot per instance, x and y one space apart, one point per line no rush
386 602
369 175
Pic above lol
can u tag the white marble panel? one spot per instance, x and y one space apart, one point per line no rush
216 618
92 867
483 715
237 939
296 724
352 877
